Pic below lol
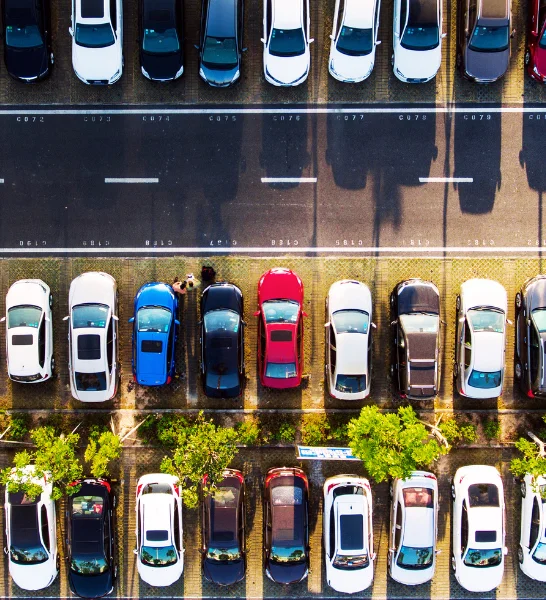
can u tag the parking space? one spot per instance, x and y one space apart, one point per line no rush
448 87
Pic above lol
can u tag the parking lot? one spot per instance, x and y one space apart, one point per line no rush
448 87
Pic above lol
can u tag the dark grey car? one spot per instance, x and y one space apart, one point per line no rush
483 39
531 337
221 42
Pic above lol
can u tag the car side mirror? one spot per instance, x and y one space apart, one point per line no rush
461 320
443 322
392 550
378 42
115 317
71 31
304 313
513 33
257 313
5 550
45 318
66 318
244 49
131 320
444 35
396 34
332 37
509 322
135 551
311 40
373 556
374 325
325 324
196 46
394 322
176 322
438 552
2 319
466 32
528 322
505 550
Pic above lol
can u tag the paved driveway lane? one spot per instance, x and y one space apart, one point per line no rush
239 180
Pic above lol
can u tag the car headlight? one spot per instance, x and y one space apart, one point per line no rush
145 73
115 76
179 72
237 74
202 73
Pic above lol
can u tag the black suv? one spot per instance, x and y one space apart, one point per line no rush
531 337
27 39
221 42
415 313
483 39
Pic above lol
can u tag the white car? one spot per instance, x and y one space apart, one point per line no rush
532 541
354 38
349 340
160 547
31 534
478 528
348 533
97 40
286 41
480 338
417 39
414 528
93 337
29 335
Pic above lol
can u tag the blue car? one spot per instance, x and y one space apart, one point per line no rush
154 334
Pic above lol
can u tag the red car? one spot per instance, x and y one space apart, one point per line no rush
535 54
280 329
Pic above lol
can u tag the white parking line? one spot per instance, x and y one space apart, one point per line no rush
131 180
289 179
446 179
1 181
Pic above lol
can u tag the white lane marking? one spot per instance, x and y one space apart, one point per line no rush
1 181
289 179
446 179
131 180
273 111
279 250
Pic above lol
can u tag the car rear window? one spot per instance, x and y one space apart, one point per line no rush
281 370
90 382
418 498
89 347
287 495
87 506
351 532
483 494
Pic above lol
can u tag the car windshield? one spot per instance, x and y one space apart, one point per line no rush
415 558
483 557
90 382
539 317
281 311
89 315
347 561
355 42
24 316
350 384
154 319
160 42
31 554
25 545
351 321
420 37
88 564
287 42
158 557
490 39
485 381
23 37
94 36
288 554
486 320
220 52
223 554
539 555
281 370
420 323
223 320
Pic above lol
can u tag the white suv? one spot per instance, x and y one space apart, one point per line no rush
97 40
532 541
29 336
286 41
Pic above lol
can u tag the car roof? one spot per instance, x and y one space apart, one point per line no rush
352 353
287 14
281 342
221 18
156 510
358 13
223 511
419 527
487 351
24 524
352 522
482 518
494 9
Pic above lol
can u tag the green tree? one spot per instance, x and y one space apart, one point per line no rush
102 448
202 448
55 455
532 461
392 444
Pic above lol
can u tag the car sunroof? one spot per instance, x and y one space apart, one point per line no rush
92 9
281 335
89 347
154 346
22 340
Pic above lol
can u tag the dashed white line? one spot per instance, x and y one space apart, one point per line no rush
131 180
446 179
1 181
289 179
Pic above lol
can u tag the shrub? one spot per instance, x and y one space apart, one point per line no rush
169 427
314 429
285 434
456 432
491 429
248 432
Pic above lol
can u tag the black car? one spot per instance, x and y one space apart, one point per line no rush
223 530
221 42
531 337
415 312
27 39
222 341
161 39
90 539
286 527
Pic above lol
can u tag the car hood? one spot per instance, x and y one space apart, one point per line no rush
28 62
347 294
484 292
287 69
352 67
280 284
347 581
90 586
96 63
540 60
287 573
487 66
222 296
219 77
410 577
536 293
33 577
94 287
161 68
224 573
474 580
418 64
160 576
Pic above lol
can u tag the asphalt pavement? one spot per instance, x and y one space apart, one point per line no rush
260 179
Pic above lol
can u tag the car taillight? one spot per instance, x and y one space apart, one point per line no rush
169 379
134 377
430 476
240 477
138 489
176 489
205 479
530 394
403 395
270 477
331 486
73 483
105 484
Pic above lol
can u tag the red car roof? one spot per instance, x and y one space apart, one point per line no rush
277 349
